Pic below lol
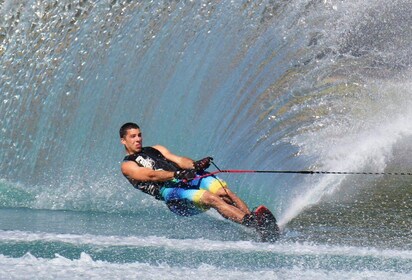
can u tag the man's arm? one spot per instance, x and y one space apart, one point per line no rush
132 170
182 162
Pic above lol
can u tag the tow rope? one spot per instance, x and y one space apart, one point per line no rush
308 172
305 172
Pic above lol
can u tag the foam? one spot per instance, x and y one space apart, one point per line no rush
30 267
293 249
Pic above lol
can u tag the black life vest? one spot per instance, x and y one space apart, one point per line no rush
151 158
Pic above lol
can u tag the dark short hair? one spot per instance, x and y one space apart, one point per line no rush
124 128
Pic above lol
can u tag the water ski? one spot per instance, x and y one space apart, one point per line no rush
266 224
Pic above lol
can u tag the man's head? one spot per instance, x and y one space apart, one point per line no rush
131 137
124 128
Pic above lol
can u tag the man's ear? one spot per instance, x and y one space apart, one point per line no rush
123 141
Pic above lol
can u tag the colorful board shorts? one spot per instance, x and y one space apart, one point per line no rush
184 198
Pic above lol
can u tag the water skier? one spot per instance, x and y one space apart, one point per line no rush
177 180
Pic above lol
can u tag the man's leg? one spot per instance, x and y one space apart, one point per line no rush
219 187
219 197
230 197
191 202
226 210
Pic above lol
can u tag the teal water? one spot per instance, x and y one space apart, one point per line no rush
266 85
126 239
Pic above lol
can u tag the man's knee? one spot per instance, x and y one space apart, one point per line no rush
224 192
210 199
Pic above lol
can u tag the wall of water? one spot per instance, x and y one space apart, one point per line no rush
301 84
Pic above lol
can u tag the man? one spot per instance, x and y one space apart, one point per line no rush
179 181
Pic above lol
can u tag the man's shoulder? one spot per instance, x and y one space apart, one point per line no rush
130 157
157 147
161 149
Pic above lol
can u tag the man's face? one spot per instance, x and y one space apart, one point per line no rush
132 140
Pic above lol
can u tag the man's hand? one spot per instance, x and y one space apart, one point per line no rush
202 164
185 174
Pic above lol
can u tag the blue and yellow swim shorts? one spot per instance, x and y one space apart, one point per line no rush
184 199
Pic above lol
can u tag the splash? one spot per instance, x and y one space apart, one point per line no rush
366 146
